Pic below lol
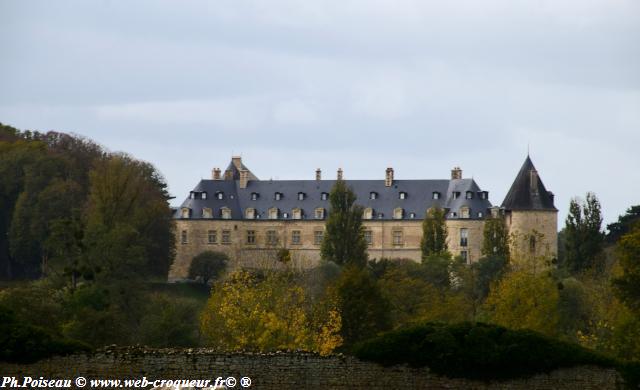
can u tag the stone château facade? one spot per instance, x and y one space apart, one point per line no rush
250 219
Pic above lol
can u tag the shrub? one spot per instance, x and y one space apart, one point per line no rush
24 343
476 351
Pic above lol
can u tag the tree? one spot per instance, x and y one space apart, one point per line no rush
487 270
344 241
434 233
627 286
363 308
265 314
624 224
524 300
208 265
496 238
583 235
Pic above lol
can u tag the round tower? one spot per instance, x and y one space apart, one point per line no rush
531 217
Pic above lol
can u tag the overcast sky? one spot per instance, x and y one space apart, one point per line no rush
419 86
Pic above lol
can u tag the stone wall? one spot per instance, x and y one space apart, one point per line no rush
307 252
286 371
544 224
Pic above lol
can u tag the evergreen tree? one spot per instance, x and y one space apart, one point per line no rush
627 286
434 233
208 265
583 235
344 242
496 238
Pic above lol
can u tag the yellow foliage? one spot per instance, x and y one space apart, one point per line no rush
267 314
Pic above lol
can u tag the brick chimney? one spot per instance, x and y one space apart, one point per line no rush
339 173
215 174
318 174
388 177
456 173
244 178
237 161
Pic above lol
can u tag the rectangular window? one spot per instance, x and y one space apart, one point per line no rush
251 236
183 237
368 237
464 236
318 235
465 256
295 237
398 238
212 237
226 236
272 237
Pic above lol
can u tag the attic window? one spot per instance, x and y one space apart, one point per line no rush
398 213
453 214
483 194
296 213
480 214
226 213
301 195
412 215
277 196
204 195
220 195
324 196
380 215
285 215
469 195
192 195
273 213
464 212
403 195
456 194
186 212
254 196
250 213
207 213
319 213
373 195
435 195
368 213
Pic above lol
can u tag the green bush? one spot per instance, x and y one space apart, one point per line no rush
476 351
24 343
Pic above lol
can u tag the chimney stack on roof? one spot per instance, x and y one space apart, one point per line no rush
388 177
215 174
237 161
456 173
339 173
244 178
318 174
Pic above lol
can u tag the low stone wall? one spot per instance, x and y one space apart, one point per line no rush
290 370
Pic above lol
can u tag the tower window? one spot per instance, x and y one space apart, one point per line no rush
465 256
464 237
532 244
186 212
204 195
469 195
183 237
456 194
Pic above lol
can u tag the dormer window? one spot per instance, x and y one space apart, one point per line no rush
185 212
296 213
398 213
380 215
277 196
285 215
273 213
402 195
368 213
324 196
480 214
435 195
456 194
412 215
319 213
250 213
192 195
207 213
464 212
373 195
469 195
220 195
483 195
254 196
225 213
301 195
204 195
453 214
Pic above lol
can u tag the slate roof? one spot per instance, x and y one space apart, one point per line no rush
418 199
528 192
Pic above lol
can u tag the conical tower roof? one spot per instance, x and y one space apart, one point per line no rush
528 192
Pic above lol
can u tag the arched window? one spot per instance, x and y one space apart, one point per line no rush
373 195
